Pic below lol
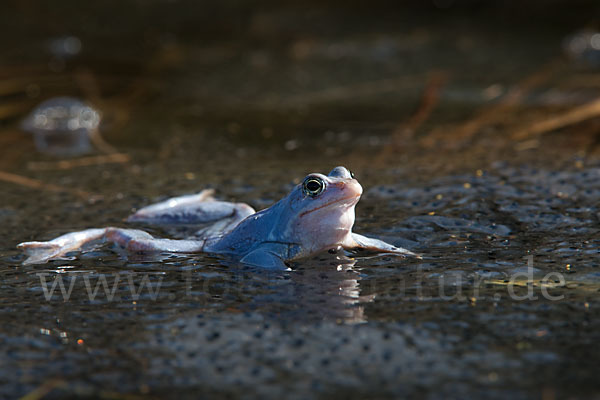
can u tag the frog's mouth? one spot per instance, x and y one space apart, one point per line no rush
351 200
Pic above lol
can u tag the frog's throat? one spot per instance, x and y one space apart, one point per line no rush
356 196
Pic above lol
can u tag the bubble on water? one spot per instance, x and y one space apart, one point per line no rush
62 126
65 46
595 41
291 145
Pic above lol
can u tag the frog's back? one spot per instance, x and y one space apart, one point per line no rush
248 234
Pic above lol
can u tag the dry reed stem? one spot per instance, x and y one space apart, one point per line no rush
113 158
495 112
573 116
39 185
44 389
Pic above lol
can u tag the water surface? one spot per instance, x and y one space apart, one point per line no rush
504 303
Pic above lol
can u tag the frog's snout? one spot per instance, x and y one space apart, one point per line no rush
350 188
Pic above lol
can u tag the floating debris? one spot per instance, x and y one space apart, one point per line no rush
63 126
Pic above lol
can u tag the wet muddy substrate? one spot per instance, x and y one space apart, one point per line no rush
503 303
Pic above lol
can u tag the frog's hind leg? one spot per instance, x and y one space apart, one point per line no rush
41 252
129 239
196 209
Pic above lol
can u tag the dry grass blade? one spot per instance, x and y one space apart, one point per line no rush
429 100
573 116
348 91
431 95
495 112
44 389
39 185
115 158
13 110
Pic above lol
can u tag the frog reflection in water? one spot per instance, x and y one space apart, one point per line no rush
317 215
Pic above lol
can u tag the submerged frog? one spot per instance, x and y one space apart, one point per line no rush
316 216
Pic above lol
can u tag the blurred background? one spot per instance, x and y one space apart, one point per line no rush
473 125
440 84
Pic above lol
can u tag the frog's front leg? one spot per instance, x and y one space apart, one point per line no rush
376 245
130 239
268 256
195 209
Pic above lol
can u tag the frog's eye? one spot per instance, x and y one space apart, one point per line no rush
351 174
313 186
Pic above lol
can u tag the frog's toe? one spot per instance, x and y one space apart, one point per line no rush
39 252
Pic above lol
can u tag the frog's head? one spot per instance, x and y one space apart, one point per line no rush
320 210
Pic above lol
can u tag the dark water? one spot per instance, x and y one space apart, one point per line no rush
248 100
